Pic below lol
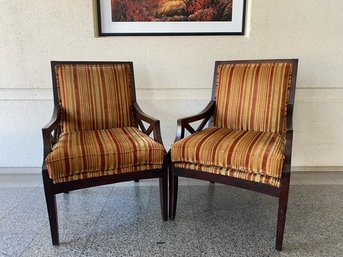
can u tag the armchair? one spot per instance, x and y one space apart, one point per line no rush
97 134
248 141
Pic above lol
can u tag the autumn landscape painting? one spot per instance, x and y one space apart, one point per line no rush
171 10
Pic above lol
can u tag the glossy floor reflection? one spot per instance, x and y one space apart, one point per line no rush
211 220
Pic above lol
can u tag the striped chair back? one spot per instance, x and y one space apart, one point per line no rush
252 96
94 96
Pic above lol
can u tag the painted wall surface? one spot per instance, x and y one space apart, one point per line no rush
173 74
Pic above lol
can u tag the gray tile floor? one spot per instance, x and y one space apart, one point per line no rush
211 220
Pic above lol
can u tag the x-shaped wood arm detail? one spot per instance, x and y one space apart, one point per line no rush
51 131
154 124
183 124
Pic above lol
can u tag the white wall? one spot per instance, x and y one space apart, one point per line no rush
173 74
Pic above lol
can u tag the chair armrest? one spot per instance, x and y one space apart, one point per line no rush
51 127
154 124
184 123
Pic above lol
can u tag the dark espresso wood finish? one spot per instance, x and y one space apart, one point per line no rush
51 132
184 125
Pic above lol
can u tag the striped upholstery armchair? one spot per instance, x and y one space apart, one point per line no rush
98 134
249 138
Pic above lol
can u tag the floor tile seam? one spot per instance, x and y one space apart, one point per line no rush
147 207
195 220
40 230
295 181
150 197
340 182
305 178
95 223
330 179
19 202
37 234
144 209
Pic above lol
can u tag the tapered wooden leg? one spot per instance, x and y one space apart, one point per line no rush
283 201
51 206
173 188
164 196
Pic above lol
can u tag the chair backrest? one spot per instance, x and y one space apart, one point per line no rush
94 95
253 95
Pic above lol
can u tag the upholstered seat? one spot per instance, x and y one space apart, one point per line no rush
107 152
250 155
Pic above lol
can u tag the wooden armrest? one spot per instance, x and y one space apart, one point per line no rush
52 126
184 123
154 124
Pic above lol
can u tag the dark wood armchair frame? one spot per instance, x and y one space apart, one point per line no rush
51 133
184 124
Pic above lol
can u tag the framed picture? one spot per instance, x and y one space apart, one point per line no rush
170 17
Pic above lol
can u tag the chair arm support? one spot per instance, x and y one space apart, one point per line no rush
51 126
154 124
288 138
288 151
184 123
289 120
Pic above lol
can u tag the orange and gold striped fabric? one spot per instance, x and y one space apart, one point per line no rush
255 177
94 96
251 155
87 154
252 96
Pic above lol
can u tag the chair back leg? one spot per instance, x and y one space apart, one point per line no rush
50 198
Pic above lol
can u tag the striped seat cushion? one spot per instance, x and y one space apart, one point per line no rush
250 155
87 154
252 96
95 96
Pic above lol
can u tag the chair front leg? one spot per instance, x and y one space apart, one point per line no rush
173 189
283 202
163 183
50 198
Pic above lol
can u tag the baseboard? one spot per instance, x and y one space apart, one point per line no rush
317 168
294 169
20 170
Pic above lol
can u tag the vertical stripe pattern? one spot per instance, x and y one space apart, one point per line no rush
95 96
251 155
252 96
106 152
255 177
